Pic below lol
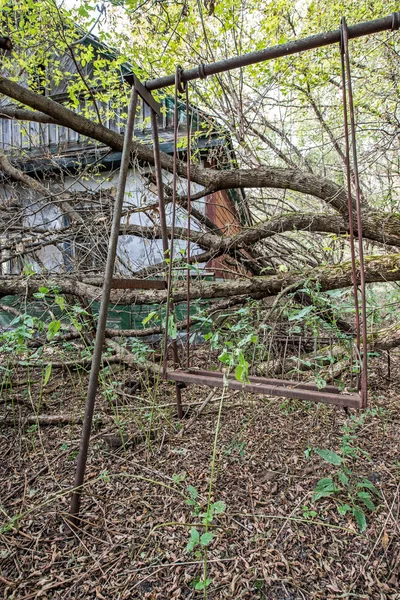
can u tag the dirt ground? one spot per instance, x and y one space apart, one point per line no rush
270 542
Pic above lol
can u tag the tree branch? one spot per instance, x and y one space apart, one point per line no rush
383 269
22 114
383 228
17 175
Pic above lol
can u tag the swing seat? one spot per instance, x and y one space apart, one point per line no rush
268 387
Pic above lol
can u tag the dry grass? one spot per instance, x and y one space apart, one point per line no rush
136 522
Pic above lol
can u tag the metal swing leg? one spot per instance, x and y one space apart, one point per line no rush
361 328
103 313
164 233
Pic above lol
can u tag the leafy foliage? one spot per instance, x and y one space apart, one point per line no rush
353 494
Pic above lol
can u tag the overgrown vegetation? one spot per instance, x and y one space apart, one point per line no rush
246 496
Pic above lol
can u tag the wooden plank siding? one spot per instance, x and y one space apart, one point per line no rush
39 147
46 139
221 210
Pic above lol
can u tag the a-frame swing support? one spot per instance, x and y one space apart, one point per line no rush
112 283
261 385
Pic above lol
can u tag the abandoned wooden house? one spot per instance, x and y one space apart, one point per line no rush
59 155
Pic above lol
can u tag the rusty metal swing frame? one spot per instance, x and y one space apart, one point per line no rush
183 377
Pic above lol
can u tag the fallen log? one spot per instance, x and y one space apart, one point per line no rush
378 268
381 340
42 420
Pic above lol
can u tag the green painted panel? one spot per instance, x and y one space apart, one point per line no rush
121 317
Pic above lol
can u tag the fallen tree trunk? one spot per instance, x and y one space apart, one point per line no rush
129 359
83 363
379 226
381 268
42 420
386 338
381 340
38 187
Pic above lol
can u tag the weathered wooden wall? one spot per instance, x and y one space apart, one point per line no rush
221 210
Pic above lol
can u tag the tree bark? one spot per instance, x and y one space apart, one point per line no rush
382 269
380 227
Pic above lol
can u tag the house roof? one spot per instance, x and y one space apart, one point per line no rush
52 148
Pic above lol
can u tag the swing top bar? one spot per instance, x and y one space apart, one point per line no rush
392 22
143 92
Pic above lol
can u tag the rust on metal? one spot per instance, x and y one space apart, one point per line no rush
189 215
164 232
389 23
278 382
255 385
103 312
169 307
348 99
143 92
351 400
138 284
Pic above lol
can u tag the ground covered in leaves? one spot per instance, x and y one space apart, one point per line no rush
148 494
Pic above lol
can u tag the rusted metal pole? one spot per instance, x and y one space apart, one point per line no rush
256 385
160 186
171 248
189 216
364 370
388 23
164 235
102 320
349 194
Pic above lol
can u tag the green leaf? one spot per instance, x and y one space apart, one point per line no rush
83 12
76 324
343 509
193 493
29 321
365 497
60 301
178 478
149 317
343 478
194 539
240 373
206 538
207 517
349 451
47 374
359 516
324 488
172 330
321 383
225 357
366 483
218 507
329 456
307 452
200 585
301 314
53 328
78 310
104 476
242 361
